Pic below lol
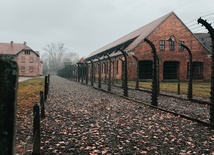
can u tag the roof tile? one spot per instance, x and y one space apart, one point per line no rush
140 34
12 48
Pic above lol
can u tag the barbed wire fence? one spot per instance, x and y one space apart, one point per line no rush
32 144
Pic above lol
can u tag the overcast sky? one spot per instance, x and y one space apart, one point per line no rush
87 25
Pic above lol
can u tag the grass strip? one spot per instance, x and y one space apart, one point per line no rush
28 91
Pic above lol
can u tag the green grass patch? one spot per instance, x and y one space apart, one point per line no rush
200 89
28 91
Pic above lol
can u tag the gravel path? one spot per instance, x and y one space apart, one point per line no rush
185 107
81 120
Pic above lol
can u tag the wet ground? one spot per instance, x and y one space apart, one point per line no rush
81 120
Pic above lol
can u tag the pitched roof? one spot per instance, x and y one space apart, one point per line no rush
37 52
12 48
82 60
205 39
135 37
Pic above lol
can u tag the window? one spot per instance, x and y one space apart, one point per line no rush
22 59
197 70
171 45
31 59
117 66
145 69
162 45
171 70
27 52
103 66
31 69
22 68
106 68
181 48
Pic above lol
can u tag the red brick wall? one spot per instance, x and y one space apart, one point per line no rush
40 68
114 73
172 26
26 63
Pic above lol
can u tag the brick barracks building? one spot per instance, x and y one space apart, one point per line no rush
28 60
173 59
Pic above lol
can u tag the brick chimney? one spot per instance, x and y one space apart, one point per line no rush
25 43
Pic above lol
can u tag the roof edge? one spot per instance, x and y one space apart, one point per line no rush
28 50
141 39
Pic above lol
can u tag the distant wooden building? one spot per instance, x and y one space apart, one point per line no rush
28 60
173 59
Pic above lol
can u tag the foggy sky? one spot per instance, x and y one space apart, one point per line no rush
87 25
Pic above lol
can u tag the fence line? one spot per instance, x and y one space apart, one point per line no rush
36 122
36 131
42 105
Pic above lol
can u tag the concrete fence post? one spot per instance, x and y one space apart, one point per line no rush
42 105
36 130
46 88
48 82
8 97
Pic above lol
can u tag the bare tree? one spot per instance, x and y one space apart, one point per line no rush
55 54
71 56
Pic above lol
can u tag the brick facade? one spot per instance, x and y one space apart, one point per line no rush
173 26
28 61
173 63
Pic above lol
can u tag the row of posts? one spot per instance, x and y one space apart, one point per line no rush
39 111
81 70
8 107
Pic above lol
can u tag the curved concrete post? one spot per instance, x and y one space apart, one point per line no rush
109 77
154 72
92 73
125 80
211 31
99 72
189 95
86 73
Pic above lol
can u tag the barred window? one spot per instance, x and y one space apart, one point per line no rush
117 66
197 70
181 48
171 45
22 68
27 52
31 59
31 69
22 59
162 45
103 67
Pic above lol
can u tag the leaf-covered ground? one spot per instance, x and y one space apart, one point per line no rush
81 120
28 95
184 107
